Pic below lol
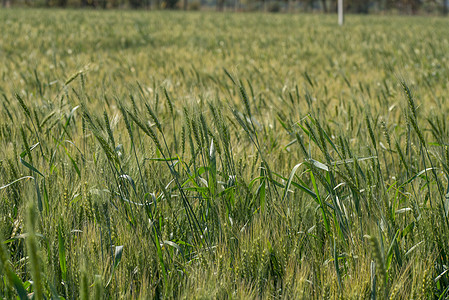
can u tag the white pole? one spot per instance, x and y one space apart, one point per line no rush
340 12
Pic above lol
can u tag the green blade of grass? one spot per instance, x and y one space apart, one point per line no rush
289 181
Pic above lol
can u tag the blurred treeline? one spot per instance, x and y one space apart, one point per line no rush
289 6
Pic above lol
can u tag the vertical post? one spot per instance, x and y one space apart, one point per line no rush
340 12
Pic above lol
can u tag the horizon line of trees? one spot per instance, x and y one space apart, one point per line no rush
325 6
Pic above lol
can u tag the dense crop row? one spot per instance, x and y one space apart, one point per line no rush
222 156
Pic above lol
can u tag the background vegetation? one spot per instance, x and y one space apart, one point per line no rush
167 155
291 6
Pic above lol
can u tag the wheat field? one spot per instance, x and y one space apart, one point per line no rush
223 156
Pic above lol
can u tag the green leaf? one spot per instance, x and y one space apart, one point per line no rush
174 245
390 251
337 268
29 166
118 255
323 212
299 186
18 284
62 257
39 197
417 175
162 159
319 165
289 182
117 259
129 179
413 248
75 165
262 194
403 210
407 229
44 187
17 180
24 153
212 184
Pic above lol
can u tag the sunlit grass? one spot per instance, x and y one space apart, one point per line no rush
207 155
